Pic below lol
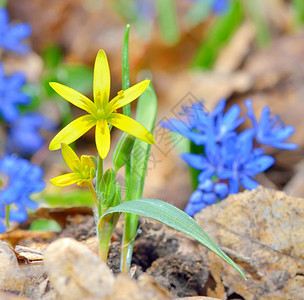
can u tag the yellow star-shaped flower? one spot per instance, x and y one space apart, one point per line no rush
101 112
84 169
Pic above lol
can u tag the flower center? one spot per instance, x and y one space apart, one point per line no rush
100 114
85 172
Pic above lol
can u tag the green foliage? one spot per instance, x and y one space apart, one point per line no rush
167 20
45 225
194 173
78 77
52 56
257 15
108 187
298 12
69 199
3 3
199 12
122 150
173 217
218 34
146 115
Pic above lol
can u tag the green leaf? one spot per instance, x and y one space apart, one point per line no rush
146 115
45 225
298 12
52 56
257 15
69 199
3 3
78 77
173 217
199 12
218 34
167 20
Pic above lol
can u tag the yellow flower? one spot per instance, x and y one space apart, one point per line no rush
101 112
84 169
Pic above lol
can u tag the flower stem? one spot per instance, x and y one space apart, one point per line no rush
105 230
93 192
7 212
126 250
98 186
130 229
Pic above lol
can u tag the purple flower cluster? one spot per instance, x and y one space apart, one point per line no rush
228 159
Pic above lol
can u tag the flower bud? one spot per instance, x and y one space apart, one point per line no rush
108 188
123 150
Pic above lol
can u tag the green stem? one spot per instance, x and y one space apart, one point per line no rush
126 69
7 215
105 230
93 192
126 251
130 230
126 108
98 186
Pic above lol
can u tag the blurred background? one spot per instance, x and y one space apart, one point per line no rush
191 49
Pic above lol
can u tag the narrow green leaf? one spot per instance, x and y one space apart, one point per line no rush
173 217
199 12
257 15
298 12
167 20
125 62
218 34
146 115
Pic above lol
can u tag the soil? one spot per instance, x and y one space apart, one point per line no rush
170 258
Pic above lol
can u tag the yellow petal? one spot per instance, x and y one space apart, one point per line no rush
102 138
102 80
72 131
73 97
130 94
70 157
132 127
66 179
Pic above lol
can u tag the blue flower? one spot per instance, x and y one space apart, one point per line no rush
11 35
244 161
270 131
24 135
228 159
198 126
211 163
11 96
220 6
23 179
206 194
